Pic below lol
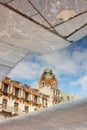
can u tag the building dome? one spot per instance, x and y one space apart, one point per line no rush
48 73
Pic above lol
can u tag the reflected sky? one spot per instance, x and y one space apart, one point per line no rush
69 65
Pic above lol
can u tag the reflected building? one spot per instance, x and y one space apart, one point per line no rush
17 99
48 85
68 97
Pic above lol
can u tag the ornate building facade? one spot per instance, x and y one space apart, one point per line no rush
48 85
17 99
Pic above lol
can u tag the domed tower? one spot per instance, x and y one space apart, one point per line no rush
48 85
48 79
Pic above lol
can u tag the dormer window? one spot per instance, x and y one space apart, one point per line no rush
43 84
5 90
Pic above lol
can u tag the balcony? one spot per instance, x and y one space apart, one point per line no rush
10 110
26 99
5 109
5 93
16 111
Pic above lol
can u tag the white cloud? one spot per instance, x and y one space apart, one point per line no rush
64 62
25 70
80 59
60 61
81 82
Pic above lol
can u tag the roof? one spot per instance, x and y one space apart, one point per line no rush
64 18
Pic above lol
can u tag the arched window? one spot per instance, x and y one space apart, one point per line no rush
43 84
54 83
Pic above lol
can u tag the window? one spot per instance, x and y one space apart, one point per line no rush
43 84
5 90
46 102
16 92
26 109
16 106
43 101
35 99
62 98
54 84
68 98
56 92
26 96
53 102
53 91
4 104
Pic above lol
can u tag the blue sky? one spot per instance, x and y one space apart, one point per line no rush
69 65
